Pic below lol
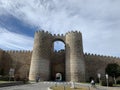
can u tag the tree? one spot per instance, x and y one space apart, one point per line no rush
113 70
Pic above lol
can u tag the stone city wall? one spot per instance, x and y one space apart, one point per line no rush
97 63
19 60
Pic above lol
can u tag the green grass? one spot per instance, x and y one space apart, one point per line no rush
68 88
5 81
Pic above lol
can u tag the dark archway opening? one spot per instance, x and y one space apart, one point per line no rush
58 59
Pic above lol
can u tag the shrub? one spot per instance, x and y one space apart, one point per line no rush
118 81
6 78
104 83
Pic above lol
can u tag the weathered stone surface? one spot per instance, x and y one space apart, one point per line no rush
75 70
72 63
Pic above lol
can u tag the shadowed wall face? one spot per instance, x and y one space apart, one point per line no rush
19 60
58 64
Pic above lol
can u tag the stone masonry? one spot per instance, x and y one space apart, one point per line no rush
72 63
42 51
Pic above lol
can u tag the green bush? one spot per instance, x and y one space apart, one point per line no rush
118 81
6 78
104 83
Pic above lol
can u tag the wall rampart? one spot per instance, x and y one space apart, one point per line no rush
97 63
19 60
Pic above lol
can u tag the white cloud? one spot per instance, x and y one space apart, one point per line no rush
11 40
98 20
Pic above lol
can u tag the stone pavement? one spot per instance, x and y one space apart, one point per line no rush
45 85
36 86
104 88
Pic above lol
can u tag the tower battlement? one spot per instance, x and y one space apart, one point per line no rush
73 32
43 32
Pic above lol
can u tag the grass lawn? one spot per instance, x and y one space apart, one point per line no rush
5 81
68 88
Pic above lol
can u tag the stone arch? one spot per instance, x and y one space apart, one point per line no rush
58 60
59 38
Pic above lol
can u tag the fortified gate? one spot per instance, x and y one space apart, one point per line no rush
45 63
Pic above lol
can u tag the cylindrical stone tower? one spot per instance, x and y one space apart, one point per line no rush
75 64
40 63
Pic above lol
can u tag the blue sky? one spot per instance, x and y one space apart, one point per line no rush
98 20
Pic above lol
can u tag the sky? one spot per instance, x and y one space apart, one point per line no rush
97 20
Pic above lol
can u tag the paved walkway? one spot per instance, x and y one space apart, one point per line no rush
45 85
36 86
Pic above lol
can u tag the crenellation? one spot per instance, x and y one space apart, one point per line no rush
79 32
47 32
95 54
98 55
58 35
85 54
18 51
62 35
12 51
76 32
54 35
36 31
42 31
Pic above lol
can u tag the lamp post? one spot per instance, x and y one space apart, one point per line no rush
107 79
99 76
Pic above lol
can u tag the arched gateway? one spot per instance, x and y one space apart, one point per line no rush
72 65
